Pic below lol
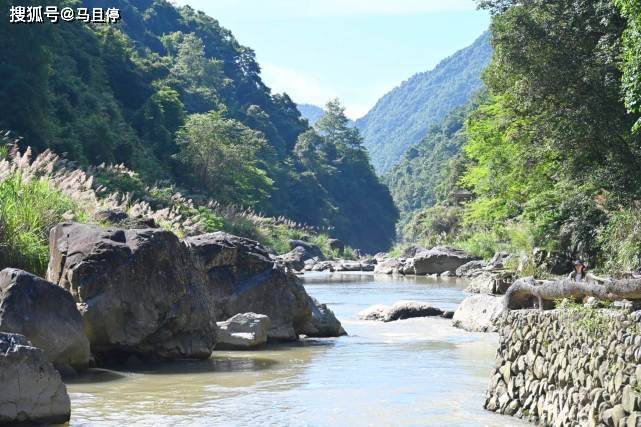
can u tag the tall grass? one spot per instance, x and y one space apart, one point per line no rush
37 192
28 210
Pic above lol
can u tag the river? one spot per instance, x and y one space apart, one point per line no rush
413 372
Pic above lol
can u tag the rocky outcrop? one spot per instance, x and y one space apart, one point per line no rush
399 311
323 323
471 269
569 368
490 283
294 259
436 261
136 290
240 278
479 313
46 314
311 250
31 390
242 332
388 266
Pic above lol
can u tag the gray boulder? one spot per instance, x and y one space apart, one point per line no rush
345 265
411 251
242 331
323 266
436 261
31 390
388 266
324 323
241 278
311 250
399 311
479 313
46 314
294 260
471 269
137 291
374 312
490 283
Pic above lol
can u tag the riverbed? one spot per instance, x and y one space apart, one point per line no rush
411 372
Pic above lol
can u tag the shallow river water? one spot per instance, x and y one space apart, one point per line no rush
413 372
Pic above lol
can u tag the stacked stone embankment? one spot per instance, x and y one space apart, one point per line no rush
569 367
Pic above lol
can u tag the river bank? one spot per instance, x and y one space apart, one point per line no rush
412 372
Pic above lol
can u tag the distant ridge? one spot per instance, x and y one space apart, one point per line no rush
403 116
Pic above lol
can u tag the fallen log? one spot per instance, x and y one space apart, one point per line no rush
526 291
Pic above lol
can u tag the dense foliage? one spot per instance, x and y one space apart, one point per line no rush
403 116
173 96
552 155
415 182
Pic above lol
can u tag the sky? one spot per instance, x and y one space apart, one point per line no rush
356 50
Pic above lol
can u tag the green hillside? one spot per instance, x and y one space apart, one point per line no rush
171 94
402 117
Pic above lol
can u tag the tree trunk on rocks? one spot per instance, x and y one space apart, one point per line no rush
527 290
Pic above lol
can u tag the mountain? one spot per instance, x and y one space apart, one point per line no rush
310 112
417 178
172 95
403 116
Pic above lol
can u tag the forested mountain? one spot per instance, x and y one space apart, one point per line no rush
417 178
552 155
402 117
310 112
172 95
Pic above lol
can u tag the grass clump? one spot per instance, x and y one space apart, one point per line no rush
29 208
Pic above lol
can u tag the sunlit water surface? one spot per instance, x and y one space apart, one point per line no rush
412 372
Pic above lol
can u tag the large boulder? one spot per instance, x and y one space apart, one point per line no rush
137 291
479 313
242 278
399 311
311 250
471 269
294 259
493 283
388 266
242 332
46 314
324 323
31 390
436 261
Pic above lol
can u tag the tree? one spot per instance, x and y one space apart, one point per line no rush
220 155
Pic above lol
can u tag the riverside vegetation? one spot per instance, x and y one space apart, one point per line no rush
549 154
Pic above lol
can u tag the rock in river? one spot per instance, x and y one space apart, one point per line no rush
479 313
324 323
31 390
294 259
242 331
436 261
242 278
137 291
46 314
398 311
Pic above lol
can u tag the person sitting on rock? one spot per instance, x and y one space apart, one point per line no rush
580 274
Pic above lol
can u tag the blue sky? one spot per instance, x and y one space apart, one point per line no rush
355 50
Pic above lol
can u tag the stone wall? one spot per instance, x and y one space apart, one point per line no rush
569 367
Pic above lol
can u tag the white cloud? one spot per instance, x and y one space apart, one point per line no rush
303 88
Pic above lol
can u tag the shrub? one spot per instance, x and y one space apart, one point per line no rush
620 241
